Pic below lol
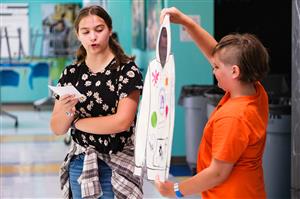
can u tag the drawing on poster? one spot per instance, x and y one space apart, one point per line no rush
155 122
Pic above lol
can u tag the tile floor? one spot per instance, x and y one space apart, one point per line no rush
30 156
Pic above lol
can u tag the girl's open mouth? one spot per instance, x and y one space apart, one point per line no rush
94 45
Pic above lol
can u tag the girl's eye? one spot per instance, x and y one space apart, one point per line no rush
85 33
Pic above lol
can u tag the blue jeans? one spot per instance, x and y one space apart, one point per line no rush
75 171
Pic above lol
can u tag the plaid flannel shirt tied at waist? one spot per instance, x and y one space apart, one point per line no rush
125 184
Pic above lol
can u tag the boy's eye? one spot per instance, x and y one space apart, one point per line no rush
99 30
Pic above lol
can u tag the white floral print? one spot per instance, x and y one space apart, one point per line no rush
120 86
88 83
111 87
89 93
82 99
72 70
96 95
105 142
130 74
107 72
99 100
105 107
125 80
134 68
90 106
84 77
98 83
92 138
123 95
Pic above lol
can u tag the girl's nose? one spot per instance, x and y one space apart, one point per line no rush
93 36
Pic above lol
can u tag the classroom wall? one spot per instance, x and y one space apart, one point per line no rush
120 12
191 65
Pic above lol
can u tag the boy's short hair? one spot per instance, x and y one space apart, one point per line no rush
247 52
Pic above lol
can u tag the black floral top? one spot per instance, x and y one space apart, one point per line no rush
102 92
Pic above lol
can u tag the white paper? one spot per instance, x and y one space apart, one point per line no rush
66 90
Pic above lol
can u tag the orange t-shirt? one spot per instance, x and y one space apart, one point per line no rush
236 133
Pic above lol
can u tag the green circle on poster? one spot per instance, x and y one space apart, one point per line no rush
154 119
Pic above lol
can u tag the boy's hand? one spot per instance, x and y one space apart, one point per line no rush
166 188
176 16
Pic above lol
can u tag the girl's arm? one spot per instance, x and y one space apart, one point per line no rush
118 122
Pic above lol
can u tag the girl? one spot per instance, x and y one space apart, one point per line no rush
101 159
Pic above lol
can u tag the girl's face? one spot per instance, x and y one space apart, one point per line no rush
93 33
223 73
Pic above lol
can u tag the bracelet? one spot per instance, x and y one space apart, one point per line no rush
75 120
177 191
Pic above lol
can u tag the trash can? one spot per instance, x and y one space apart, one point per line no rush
213 96
277 155
194 103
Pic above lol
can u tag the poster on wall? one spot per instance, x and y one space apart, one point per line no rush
184 35
138 24
58 21
153 13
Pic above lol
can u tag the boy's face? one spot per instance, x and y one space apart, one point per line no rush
222 72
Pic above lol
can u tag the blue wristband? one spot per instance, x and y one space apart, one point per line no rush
177 191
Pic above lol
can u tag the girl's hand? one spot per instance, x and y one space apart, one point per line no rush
66 104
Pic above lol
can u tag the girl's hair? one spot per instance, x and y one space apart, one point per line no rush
120 56
247 52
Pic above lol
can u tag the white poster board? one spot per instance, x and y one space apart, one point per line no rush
155 122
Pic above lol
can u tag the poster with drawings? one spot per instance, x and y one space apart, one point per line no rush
155 122
58 21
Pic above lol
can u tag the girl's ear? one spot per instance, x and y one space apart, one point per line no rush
235 71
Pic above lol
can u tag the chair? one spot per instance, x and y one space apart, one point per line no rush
8 78
40 70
